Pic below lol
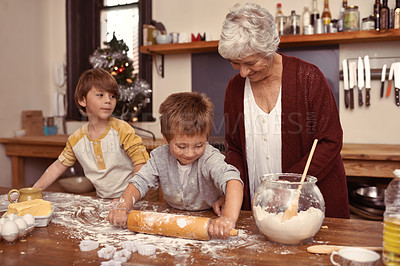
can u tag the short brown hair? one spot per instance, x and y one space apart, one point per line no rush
98 78
188 113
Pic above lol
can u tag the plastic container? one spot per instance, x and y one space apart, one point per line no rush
43 221
391 222
272 198
306 20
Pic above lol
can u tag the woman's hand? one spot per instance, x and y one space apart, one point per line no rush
221 226
219 205
118 214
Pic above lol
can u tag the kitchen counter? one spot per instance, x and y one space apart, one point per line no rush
77 217
363 160
43 147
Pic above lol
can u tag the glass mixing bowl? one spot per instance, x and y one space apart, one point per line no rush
272 198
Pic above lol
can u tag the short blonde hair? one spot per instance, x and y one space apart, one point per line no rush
187 113
98 78
246 31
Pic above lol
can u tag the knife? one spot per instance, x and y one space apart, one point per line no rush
397 83
352 74
383 78
389 87
360 80
367 80
346 83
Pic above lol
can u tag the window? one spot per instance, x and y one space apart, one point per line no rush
89 24
121 12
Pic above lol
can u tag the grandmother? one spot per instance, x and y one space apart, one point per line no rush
275 107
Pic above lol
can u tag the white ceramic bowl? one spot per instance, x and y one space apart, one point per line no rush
76 184
163 39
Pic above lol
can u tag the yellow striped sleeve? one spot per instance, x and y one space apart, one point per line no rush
131 142
67 156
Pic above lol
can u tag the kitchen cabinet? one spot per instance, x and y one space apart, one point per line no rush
286 41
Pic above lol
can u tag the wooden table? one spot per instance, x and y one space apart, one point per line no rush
42 147
58 244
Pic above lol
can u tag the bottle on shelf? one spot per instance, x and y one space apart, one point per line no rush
326 13
280 19
278 10
344 3
391 222
384 16
314 12
306 21
396 19
340 20
377 10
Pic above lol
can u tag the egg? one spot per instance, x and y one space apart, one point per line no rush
9 231
22 226
30 221
12 217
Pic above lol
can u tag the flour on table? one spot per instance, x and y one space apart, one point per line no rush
84 218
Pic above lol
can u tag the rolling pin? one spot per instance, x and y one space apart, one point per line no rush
167 224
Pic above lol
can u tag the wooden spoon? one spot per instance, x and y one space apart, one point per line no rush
292 208
327 249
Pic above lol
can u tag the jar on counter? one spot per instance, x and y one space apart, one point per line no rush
351 19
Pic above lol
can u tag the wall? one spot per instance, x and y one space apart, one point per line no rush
361 125
33 39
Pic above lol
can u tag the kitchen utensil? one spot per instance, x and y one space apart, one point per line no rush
76 184
375 214
327 249
383 78
367 81
370 196
355 257
360 80
293 207
345 82
166 224
273 196
396 71
389 87
353 81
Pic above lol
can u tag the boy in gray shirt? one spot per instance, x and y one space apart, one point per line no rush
192 174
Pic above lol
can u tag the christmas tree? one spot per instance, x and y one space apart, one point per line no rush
133 93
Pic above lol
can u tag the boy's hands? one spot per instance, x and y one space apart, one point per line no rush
118 217
220 227
120 208
118 214
219 205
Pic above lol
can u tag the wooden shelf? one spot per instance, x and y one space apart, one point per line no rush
286 41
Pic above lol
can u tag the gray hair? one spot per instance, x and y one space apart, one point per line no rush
248 30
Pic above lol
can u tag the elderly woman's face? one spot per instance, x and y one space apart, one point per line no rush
255 67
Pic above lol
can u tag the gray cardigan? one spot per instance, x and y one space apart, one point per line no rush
207 178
